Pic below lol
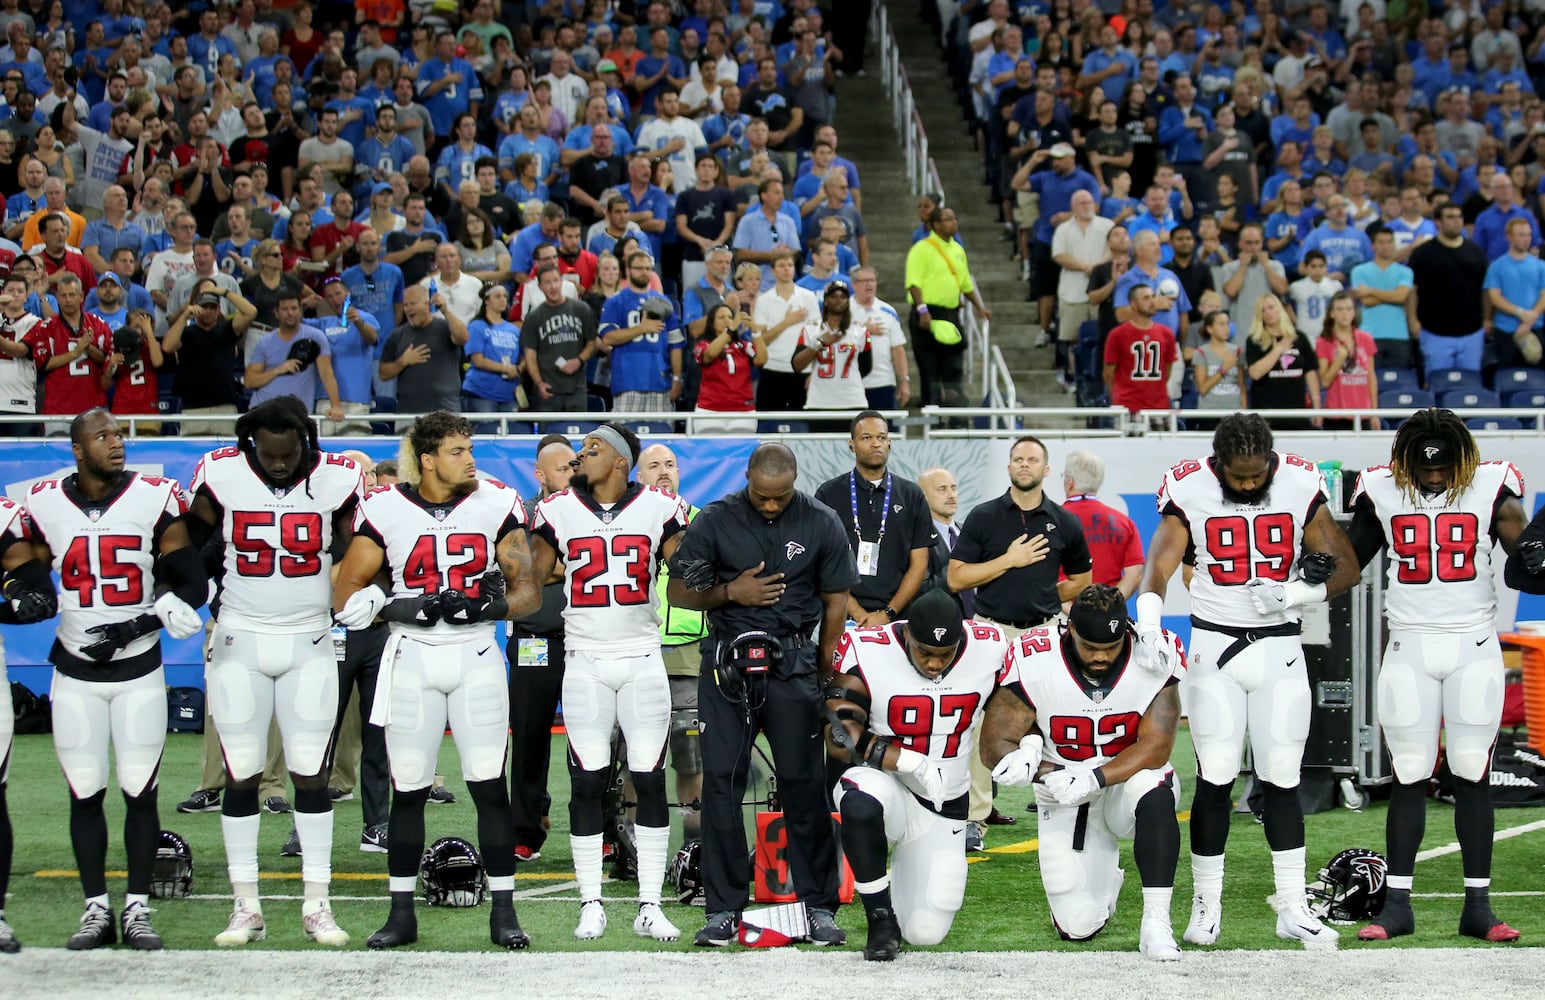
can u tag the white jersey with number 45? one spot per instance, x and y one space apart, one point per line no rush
1082 723
1440 569
433 547
1234 543
935 718
278 541
609 561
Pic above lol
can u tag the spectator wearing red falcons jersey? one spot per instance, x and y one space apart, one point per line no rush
70 350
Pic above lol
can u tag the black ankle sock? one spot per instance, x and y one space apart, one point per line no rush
877 901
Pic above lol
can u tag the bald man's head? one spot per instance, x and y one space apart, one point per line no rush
657 467
366 464
555 463
939 489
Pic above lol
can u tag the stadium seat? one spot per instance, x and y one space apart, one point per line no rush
1446 379
1494 424
1468 399
1400 399
170 404
644 428
1391 379
383 404
570 428
515 427
1528 399
782 427
595 404
1515 379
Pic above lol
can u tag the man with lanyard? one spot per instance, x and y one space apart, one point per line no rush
682 631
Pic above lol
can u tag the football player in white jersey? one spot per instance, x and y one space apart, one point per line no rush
1093 728
903 708
1245 516
105 529
451 544
25 602
611 534
279 501
1440 511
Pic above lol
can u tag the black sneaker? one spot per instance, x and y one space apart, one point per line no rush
291 848
205 800
97 928
339 795
504 928
8 943
884 936
277 804
824 929
137 932
401 928
373 841
441 796
721 929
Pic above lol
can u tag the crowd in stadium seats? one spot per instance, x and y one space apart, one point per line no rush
1335 204
360 203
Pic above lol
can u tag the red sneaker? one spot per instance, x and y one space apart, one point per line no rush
524 853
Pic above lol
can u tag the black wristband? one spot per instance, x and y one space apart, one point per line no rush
1099 777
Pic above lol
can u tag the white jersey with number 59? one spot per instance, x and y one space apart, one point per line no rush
610 557
1082 723
1234 543
1440 569
936 718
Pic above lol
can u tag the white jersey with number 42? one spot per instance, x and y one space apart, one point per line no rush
1440 570
1234 543
1081 723
609 560
278 541
936 718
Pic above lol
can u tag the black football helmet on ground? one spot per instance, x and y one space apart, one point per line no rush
452 873
1351 887
172 876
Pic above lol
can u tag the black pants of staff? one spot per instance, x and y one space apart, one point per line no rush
850 29
360 668
780 391
940 367
789 715
534 694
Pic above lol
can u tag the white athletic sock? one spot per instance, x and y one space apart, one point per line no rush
587 866
402 883
102 901
142 898
501 883
1401 882
249 892
315 831
1287 871
1157 899
878 885
1478 883
1207 875
654 846
241 849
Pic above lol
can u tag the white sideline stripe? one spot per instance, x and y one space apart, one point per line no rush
1460 895
1508 834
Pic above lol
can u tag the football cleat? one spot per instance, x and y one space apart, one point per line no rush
975 841
1295 922
339 795
524 853
137 932
884 942
592 920
291 848
441 796
1395 919
504 928
719 931
277 804
1206 921
97 928
651 923
1481 923
8 943
205 800
401 928
824 929
1156 939
316 919
245 927
373 840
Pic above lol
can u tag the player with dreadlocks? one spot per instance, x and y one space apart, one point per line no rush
1440 511
281 504
1264 545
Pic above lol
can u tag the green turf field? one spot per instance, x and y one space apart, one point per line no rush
1004 909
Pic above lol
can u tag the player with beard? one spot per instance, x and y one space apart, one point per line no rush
901 709
1264 545
1440 511
279 501
610 533
1100 762
104 529
452 544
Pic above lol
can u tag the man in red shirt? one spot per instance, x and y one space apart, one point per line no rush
58 259
70 350
1114 544
1139 355
337 238
131 373
572 258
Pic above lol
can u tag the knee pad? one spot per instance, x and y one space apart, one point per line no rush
312 799
686 747
649 788
860 809
241 800
1469 763
1154 803
1062 875
1080 920
925 928
1217 766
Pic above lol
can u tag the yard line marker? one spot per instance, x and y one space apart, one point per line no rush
1460 895
1508 834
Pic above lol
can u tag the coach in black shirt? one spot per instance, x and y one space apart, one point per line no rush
767 559
1012 549
889 528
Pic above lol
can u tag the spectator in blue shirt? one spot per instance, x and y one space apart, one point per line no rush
523 246
355 113
1504 69
448 86
655 70
1157 218
1182 127
1384 287
352 335
207 45
1287 227
765 229
1109 67
1491 226
493 359
1515 284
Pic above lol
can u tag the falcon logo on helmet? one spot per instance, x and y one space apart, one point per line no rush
172 875
1430 452
685 875
305 351
1351 887
452 873
940 633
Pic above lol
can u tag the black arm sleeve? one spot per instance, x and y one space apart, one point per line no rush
1367 532
1517 577
183 571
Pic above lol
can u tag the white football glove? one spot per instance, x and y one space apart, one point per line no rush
180 620
1071 785
1018 767
1272 598
1150 647
927 771
362 607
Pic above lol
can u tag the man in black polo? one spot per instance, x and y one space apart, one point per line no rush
1012 549
890 530
768 564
